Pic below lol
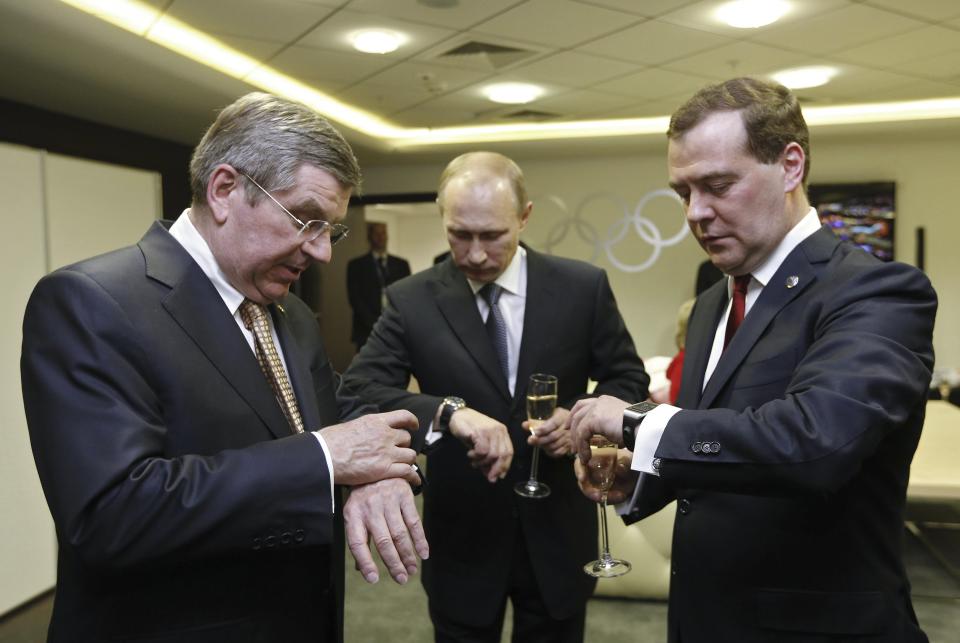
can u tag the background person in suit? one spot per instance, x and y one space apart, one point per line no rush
367 277
560 317
193 502
790 458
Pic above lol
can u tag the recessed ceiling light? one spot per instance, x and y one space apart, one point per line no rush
512 93
805 77
750 14
377 41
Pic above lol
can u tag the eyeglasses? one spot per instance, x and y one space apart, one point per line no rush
312 229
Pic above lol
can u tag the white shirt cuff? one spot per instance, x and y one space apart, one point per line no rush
648 438
326 454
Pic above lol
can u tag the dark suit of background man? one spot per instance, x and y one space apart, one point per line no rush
790 458
487 543
367 277
188 507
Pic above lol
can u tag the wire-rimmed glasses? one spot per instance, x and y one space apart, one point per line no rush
310 230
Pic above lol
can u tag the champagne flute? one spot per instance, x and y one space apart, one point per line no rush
541 403
601 470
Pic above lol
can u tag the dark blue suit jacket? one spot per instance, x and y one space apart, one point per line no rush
432 330
790 526
185 509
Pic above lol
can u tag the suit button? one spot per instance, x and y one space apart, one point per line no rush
683 506
298 536
256 543
715 447
269 541
705 448
285 538
696 447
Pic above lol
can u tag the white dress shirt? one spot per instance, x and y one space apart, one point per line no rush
196 246
512 304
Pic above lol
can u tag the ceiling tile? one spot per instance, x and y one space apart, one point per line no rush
944 66
835 30
280 20
462 16
904 89
572 68
654 83
328 69
701 15
261 50
380 99
517 53
654 43
335 32
929 9
647 8
738 59
422 76
905 47
580 104
558 23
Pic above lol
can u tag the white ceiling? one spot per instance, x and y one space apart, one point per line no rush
597 58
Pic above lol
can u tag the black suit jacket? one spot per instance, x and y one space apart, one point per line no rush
432 329
185 509
790 526
364 285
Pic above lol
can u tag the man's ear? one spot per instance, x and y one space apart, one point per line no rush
525 214
793 161
223 189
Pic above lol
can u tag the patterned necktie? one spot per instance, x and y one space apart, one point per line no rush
496 328
254 317
737 307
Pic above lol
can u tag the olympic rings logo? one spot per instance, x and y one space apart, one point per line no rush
645 228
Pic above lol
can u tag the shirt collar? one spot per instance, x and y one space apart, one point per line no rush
509 279
808 225
196 246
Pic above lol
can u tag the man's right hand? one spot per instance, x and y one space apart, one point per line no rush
491 450
624 481
372 447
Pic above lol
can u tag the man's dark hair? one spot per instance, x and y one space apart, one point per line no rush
770 112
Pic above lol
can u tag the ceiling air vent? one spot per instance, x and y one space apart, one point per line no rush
530 115
486 54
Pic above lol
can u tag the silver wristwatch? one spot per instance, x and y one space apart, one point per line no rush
448 407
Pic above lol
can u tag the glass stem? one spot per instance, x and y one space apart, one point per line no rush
535 465
603 525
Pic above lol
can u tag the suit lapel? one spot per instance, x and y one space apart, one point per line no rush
298 371
458 305
703 324
538 314
797 273
197 307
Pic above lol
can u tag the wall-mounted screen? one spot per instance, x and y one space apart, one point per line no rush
862 213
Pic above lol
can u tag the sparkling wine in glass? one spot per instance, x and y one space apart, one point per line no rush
601 471
541 402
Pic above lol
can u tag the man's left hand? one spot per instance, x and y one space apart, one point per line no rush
385 512
553 436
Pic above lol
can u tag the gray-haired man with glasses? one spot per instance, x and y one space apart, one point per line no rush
188 428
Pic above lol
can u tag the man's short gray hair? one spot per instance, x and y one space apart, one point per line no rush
269 138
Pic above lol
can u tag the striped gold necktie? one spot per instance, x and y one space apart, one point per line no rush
254 317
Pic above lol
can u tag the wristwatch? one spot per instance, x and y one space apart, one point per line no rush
448 407
632 417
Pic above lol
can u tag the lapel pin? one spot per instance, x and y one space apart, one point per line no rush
280 308
792 281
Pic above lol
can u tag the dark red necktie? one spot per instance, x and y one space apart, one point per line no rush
737 308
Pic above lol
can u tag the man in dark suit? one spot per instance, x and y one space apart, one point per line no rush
790 459
187 426
557 316
367 277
